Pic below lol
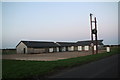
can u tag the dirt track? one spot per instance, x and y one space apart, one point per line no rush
46 56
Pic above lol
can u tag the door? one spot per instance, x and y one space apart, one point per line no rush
94 47
72 48
79 48
24 50
50 49
57 49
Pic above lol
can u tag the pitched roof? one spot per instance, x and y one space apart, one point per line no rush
43 44
66 43
39 44
89 42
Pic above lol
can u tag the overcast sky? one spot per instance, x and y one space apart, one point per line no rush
57 21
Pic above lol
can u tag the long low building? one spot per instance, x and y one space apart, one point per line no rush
48 47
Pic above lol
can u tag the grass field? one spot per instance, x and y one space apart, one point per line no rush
30 69
7 51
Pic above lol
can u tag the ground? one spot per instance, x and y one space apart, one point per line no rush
104 68
21 68
47 56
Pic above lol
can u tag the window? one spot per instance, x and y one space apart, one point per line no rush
79 48
86 48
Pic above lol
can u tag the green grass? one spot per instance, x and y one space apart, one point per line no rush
25 69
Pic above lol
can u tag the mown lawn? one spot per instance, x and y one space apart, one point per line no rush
29 69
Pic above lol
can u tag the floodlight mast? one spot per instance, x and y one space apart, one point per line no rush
93 32
92 45
96 36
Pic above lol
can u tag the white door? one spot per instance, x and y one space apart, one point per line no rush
86 48
57 49
72 48
94 47
50 49
79 48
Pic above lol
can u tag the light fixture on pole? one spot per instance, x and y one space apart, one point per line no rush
93 32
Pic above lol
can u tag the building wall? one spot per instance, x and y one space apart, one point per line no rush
46 50
21 48
63 49
56 49
100 47
30 50
75 48
69 48
39 50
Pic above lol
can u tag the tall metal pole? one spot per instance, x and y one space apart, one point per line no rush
96 36
92 45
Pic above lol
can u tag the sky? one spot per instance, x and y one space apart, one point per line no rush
119 23
0 25
57 21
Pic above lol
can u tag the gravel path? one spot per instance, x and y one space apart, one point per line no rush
46 56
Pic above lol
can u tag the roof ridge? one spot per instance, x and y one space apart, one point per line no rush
89 40
37 41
